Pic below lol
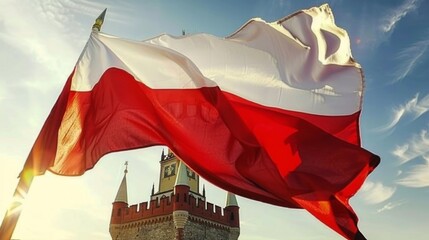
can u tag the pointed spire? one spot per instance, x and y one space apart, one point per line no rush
204 190
153 189
122 195
126 167
231 200
182 177
99 21
162 155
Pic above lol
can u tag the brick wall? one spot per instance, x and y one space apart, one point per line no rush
158 230
198 231
163 229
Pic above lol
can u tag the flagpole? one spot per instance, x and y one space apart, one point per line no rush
14 211
26 178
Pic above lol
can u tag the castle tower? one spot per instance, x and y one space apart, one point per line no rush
177 211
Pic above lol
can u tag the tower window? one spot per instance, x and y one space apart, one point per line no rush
169 170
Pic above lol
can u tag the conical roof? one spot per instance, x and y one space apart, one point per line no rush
122 195
182 176
231 200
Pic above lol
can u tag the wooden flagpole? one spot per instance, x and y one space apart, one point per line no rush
26 178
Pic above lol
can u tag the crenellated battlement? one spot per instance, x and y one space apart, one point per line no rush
181 200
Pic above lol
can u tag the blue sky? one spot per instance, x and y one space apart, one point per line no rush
41 40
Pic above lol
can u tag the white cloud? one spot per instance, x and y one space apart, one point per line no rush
397 14
418 175
374 29
398 113
50 32
374 193
45 36
389 206
409 58
417 146
414 108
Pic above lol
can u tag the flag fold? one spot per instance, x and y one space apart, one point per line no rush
270 112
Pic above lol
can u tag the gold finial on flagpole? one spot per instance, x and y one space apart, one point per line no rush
99 21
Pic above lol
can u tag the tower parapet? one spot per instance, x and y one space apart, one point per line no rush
179 202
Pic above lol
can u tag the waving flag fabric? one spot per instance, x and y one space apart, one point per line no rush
270 112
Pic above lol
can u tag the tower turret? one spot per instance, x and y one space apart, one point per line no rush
231 211
181 201
120 205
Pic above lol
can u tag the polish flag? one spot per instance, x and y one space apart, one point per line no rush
270 112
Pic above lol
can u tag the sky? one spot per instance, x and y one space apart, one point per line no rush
41 40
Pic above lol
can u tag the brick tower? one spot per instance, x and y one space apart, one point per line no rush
177 211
